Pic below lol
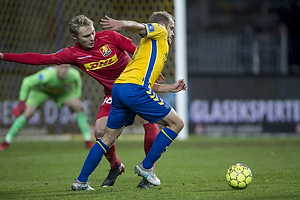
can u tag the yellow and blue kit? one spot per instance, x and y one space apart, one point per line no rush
149 58
132 93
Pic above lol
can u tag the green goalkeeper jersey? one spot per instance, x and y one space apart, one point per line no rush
47 81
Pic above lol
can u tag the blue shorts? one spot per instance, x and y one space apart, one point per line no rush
131 99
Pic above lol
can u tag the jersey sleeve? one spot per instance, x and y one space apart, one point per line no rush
63 56
156 31
31 81
122 42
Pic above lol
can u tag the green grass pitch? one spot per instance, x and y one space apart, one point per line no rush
192 169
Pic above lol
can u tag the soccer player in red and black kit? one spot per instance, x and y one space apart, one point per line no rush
102 55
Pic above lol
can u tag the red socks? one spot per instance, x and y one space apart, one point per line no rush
111 156
151 130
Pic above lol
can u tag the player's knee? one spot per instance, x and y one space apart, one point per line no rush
27 114
177 125
144 121
180 125
99 132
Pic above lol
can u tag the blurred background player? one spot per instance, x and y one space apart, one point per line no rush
103 56
132 94
63 85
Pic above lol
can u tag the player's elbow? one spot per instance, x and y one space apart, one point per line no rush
26 80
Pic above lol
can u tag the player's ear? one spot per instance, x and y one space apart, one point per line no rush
162 24
74 37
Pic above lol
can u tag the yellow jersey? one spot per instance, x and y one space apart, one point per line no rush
149 58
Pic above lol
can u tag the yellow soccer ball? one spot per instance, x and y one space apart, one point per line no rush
239 176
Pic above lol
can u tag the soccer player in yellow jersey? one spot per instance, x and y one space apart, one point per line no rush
134 92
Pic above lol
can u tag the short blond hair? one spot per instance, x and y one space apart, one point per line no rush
79 21
161 17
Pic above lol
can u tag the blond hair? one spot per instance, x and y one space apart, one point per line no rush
161 17
77 22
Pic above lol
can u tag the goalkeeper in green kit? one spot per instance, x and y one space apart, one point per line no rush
60 83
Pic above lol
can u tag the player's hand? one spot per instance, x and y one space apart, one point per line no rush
160 79
1 56
179 85
112 24
19 109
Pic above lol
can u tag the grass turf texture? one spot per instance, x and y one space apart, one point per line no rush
193 169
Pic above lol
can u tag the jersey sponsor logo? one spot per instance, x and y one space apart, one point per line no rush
150 27
101 64
105 50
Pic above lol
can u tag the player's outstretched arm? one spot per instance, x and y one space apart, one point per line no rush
178 86
34 58
116 25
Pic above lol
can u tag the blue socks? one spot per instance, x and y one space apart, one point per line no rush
162 141
92 160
